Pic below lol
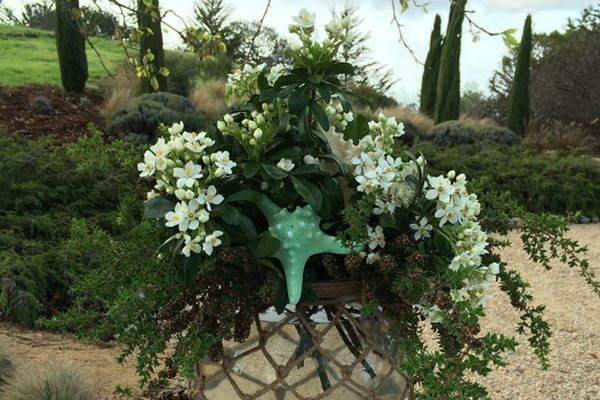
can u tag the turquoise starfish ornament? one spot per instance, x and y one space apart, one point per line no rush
301 237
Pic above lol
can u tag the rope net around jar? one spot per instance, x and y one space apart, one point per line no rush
311 353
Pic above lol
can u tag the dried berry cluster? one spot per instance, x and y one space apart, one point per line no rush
223 301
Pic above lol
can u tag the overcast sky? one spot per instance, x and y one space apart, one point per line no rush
478 61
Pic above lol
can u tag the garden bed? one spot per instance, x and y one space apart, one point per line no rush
38 110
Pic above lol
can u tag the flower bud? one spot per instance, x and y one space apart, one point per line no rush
451 174
189 194
180 194
228 118
258 133
221 126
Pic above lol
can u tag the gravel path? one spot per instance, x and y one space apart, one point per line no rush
572 310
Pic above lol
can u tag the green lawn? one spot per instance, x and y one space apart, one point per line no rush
29 56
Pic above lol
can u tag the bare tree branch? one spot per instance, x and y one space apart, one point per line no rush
400 34
258 28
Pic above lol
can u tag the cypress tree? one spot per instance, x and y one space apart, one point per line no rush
151 40
447 102
431 69
70 46
518 102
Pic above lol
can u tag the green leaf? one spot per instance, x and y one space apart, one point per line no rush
343 167
230 214
325 92
263 84
299 99
309 192
247 226
357 129
268 95
306 169
289 79
267 245
340 68
250 169
274 172
320 115
157 207
244 195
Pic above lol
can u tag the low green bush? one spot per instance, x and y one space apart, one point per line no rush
456 133
143 116
450 134
184 71
541 182
44 187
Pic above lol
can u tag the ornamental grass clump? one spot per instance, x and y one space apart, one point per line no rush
293 188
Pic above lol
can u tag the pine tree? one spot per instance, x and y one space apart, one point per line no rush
431 69
70 46
447 102
518 106
151 41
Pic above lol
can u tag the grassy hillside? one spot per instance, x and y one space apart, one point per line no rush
29 56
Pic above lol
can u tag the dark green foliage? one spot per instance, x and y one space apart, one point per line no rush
70 45
145 114
518 106
455 133
447 101
184 71
151 42
431 69
539 182
450 134
45 186
497 135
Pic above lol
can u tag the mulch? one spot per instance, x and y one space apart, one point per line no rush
39 110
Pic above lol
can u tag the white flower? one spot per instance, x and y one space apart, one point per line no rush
176 128
209 197
147 167
308 159
447 214
211 241
384 207
376 237
188 174
422 230
187 216
372 258
439 187
275 72
160 150
286 164
305 19
223 163
197 142
191 245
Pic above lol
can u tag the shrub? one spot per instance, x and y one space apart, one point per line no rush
45 186
7 368
184 71
144 115
469 131
498 135
56 382
540 182
450 134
